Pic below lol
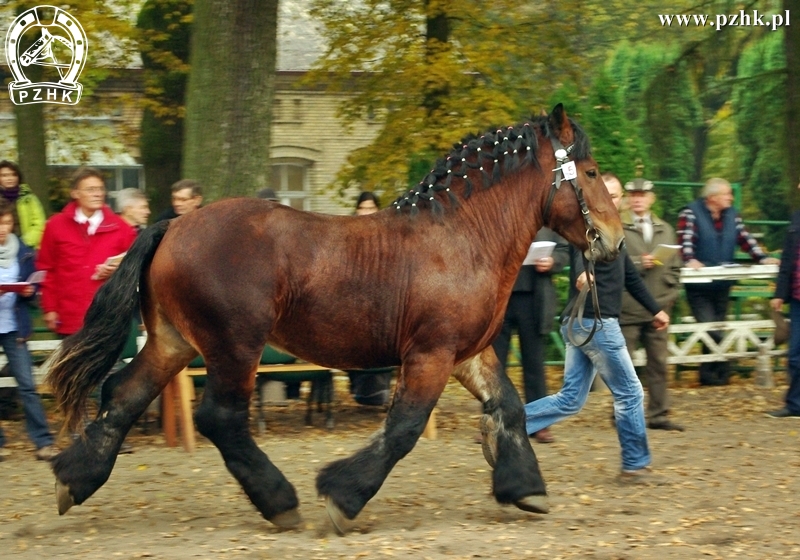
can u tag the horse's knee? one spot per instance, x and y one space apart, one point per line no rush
215 421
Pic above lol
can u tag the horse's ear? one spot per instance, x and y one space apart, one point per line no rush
560 125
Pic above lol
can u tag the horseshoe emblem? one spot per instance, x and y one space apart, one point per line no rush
66 33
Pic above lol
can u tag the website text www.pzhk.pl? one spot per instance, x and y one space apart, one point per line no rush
743 18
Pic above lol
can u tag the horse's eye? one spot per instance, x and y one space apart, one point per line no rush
592 173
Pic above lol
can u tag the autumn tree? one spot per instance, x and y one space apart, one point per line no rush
165 30
109 35
791 45
229 95
437 70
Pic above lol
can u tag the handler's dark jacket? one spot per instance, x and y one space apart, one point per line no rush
662 281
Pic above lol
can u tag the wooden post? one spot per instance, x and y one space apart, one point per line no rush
185 392
168 415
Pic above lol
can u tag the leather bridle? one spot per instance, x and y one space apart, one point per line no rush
566 171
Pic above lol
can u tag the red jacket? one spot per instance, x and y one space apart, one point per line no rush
70 255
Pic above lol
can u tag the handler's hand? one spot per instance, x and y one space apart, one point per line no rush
661 321
776 304
581 280
695 264
647 261
770 260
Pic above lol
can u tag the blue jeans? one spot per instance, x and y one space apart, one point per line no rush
19 360
793 394
607 355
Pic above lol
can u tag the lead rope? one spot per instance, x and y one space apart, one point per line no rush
577 311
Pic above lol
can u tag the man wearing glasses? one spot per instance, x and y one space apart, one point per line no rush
76 252
187 195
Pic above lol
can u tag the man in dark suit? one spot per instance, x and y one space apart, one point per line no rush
530 312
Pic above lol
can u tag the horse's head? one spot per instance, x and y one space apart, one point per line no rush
578 205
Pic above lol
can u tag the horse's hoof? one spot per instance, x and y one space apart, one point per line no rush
288 519
489 439
340 522
63 498
534 504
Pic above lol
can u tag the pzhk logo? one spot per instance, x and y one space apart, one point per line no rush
61 45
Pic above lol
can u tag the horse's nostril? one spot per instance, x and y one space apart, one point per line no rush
621 244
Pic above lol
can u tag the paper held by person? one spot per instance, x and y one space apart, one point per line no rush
539 250
663 253
19 287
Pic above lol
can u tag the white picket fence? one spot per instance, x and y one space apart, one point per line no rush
742 339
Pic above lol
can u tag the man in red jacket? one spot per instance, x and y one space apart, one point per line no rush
75 247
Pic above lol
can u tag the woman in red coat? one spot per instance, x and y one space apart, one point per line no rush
75 247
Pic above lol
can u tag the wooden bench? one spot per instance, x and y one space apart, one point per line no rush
322 386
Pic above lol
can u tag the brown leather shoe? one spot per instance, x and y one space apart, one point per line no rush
544 436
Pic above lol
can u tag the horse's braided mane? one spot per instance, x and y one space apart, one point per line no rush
499 151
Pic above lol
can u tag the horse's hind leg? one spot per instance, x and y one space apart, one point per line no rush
223 418
348 484
516 478
86 465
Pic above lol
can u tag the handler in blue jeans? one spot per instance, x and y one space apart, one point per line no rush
606 354
16 263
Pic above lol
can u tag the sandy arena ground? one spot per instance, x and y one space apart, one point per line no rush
731 492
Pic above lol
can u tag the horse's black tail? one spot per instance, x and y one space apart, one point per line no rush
83 359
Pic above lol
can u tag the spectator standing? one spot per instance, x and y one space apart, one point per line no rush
604 354
16 265
787 289
75 247
29 216
709 230
133 208
267 194
367 203
644 231
530 312
187 195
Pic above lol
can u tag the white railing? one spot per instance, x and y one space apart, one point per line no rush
742 339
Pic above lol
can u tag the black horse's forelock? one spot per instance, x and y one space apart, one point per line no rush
500 151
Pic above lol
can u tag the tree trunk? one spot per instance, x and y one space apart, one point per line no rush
229 96
437 35
792 49
31 146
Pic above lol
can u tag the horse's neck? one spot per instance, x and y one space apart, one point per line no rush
506 217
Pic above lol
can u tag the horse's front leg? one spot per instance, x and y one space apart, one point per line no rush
348 484
516 478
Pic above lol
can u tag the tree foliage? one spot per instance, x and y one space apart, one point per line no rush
487 63
761 123
111 47
164 35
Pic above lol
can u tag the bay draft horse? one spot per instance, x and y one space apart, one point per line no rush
423 284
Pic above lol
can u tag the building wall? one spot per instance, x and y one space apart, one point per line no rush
306 128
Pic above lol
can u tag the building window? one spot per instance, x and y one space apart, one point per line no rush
290 181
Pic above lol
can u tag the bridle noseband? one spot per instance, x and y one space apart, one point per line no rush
566 171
